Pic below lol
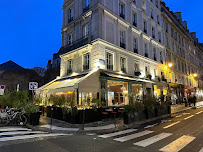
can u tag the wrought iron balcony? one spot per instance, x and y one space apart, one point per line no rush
122 45
159 40
123 69
109 67
70 19
146 55
137 73
86 67
69 71
135 50
86 8
153 36
145 31
122 15
76 44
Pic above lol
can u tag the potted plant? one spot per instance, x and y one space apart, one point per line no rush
150 104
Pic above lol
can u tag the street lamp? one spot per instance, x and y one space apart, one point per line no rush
170 65
195 75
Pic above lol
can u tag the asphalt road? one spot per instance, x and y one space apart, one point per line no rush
182 132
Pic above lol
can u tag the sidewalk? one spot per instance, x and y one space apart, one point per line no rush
108 125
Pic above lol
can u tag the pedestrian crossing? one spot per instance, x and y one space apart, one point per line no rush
19 133
150 137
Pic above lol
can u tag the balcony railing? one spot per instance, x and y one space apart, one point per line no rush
109 67
146 55
145 31
123 69
153 36
159 40
135 24
137 73
122 45
70 19
135 50
86 67
154 58
86 8
69 71
76 44
122 15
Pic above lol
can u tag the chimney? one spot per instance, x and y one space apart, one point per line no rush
193 34
185 24
178 15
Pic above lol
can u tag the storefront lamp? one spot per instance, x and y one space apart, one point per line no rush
170 65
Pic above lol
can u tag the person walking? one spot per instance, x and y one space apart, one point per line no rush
194 100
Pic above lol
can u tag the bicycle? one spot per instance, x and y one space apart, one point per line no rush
3 117
16 117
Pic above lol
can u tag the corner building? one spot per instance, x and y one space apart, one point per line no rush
112 50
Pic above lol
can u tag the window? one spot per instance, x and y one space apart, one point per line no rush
154 53
159 33
145 26
153 32
146 50
86 29
134 19
71 14
123 64
86 61
69 67
122 39
135 45
86 5
175 66
166 27
152 16
146 71
109 61
122 10
157 3
172 31
143 4
70 38
136 67
155 72
161 57
158 19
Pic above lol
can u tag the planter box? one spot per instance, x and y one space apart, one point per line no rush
149 114
33 119
140 115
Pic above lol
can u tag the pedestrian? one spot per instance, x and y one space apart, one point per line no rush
194 100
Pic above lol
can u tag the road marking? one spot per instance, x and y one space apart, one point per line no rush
14 129
21 133
186 113
201 150
29 137
179 116
171 125
151 140
199 112
163 121
117 133
149 126
178 144
188 117
133 136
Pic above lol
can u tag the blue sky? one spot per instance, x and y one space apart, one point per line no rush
30 30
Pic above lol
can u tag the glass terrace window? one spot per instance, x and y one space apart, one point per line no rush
135 45
122 10
86 61
123 64
70 65
86 29
71 14
134 19
109 61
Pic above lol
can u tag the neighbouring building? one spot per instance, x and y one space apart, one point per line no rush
112 50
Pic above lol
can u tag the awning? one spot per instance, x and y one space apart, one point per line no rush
65 84
128 78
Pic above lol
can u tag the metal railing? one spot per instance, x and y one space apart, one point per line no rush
122 45
109 67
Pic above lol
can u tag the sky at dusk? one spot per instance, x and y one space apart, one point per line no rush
30 30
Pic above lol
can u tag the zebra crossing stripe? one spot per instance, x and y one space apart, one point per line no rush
201 150
199 112
20 133
188 117
151 140
133 136
14 129
117 133
171 125
178 144
30 136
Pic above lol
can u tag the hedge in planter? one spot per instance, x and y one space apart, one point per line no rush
150 104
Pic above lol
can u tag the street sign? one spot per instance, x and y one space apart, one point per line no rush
33 85
2 87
